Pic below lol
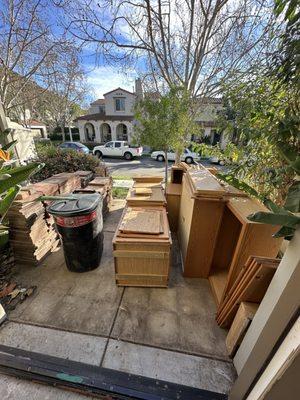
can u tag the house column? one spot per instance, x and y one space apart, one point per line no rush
113 126
80 125
129 126
97 132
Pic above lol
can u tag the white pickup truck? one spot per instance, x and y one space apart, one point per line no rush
118 149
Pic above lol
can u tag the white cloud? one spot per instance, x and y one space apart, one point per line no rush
104 79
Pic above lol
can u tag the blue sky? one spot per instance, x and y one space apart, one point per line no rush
103 77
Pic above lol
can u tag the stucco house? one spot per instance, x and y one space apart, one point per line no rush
110 118
206 115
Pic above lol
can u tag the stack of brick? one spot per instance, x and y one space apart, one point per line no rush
33 236
101 170
102 185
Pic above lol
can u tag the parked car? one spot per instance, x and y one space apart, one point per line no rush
118 149
217 160
81 148
188 156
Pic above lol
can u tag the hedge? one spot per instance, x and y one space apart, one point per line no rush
57 161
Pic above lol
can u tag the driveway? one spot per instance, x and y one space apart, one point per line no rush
142 166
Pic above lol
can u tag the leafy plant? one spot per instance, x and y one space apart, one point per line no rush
166 123
288 215
230 154
10 178
56 160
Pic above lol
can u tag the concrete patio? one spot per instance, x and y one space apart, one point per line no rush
170 334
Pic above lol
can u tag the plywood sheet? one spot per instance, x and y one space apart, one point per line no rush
204 183
142 221
156 197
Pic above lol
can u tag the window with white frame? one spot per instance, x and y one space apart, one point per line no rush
119 104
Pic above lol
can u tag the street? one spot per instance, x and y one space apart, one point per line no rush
142 166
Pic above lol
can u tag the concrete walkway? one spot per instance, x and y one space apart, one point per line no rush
170 334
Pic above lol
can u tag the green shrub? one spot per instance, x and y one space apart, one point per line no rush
119 193
58 136
58 129
57 161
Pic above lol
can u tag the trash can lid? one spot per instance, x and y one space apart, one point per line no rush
77 205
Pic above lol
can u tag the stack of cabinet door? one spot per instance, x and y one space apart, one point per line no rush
215 236
237 240
142 242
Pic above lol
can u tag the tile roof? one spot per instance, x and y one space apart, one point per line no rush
98 102
119 88
103 117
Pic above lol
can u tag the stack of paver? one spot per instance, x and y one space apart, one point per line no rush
103 186
32 235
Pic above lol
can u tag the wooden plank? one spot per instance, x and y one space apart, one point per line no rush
144 179
147 185
237 290
140 254
254 239
205 183
142 191
156 197
93 380
253 290
240 325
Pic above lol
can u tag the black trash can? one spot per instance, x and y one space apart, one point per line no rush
80 224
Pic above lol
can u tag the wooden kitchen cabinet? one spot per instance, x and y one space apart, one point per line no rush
198 225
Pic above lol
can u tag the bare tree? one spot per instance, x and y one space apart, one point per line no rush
192 43
67 90
27 45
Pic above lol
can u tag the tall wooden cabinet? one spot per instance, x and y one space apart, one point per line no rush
198 225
